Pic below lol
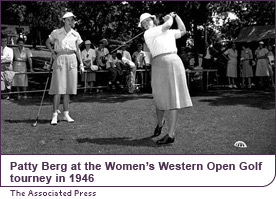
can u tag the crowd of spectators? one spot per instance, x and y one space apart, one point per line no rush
237 66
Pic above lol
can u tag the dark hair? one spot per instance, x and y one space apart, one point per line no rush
20 39
4 36
119 56
245 45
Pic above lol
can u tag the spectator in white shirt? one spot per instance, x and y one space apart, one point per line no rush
88 56
6 65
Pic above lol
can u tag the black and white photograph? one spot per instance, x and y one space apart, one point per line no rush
138 77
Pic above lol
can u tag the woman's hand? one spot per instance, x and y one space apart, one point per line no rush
167 17
173 14
81 68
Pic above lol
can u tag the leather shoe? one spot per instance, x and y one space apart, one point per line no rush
158 130
165 140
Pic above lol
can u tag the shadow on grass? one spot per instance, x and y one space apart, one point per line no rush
257 99
121 141
27 121
84 98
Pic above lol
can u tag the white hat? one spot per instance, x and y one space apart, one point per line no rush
87 42
261 42
68 14
144 16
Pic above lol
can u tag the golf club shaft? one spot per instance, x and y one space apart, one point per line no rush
126 42
51 62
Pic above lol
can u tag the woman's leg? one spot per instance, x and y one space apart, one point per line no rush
25 94
66 100
160 122
160 117
56 102
173 116
243 82
229 81
169 138
18 90
249 82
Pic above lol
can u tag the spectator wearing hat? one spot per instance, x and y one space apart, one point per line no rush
101 55
65 53
262 68
115 73
271 64
88 56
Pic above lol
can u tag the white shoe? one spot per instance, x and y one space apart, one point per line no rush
230 86
235 86
66 117
54 119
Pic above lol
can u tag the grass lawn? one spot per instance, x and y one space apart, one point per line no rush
122 124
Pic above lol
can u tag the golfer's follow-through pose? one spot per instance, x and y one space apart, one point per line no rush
65 67
169 86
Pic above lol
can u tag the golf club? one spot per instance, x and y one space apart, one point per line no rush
35 124
124 43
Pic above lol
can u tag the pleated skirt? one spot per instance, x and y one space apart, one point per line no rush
65 75
169 84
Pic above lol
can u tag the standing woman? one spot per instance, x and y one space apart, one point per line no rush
65 67
262 69
21 56
169 86
88 56
247 71
232 73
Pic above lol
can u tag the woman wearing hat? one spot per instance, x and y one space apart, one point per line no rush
88 56
169 86
262 68
66 51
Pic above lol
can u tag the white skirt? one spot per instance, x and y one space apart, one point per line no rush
169 84
65 75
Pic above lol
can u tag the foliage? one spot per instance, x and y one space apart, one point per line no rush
119 19
248 13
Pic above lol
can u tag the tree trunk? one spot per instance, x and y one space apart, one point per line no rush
195 43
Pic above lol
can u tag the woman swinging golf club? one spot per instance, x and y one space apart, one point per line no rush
65 54
169 86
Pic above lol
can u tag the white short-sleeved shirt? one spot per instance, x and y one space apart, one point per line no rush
64 41
6 54
160 42
111 60
125 54
88 55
